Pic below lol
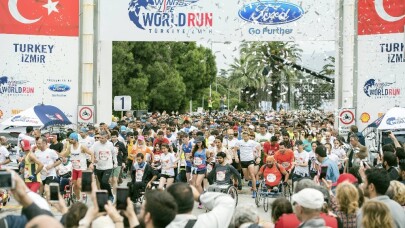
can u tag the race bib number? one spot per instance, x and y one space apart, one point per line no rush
183 162
139 175
220 175
157 157
285 164
271 178
197 161
76 164
104 155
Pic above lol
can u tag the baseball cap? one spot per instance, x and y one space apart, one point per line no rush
309 198
123 128
345 177
141 138
25 144
74 136
84 130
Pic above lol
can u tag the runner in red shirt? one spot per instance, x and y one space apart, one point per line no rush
272 173
285 157
271 147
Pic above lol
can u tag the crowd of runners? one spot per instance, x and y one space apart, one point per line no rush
167 162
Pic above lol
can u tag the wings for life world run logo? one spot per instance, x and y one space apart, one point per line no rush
378 89
159 16
270 13
12 87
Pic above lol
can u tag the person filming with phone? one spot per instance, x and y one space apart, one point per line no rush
328 168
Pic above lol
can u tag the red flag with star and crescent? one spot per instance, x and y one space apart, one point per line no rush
381 16
40 17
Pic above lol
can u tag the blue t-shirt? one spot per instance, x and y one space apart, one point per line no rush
200 160
187 150
332 173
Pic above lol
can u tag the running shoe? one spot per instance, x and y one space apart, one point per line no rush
250 183
254 194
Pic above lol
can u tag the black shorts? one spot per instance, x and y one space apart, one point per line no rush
204 171
166 176
188 169
246 164
49 180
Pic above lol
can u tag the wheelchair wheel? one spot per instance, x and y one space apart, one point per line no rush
233 192
265 203
259 194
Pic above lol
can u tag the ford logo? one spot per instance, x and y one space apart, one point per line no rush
270 12
59 88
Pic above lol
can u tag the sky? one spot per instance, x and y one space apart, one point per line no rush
313 55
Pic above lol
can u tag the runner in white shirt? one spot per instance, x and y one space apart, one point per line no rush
50 159
105 158
168 161
301 158
247 150
77 153
4 154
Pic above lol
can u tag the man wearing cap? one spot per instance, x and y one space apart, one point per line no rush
77 153
272 173
247 149
307 205
32 167
332 172
301 158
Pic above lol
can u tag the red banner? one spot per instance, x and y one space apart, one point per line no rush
40 17
381 16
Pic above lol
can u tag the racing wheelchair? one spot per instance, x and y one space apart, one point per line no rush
264 193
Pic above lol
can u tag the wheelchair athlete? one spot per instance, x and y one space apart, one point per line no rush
142 175
272 174
222 172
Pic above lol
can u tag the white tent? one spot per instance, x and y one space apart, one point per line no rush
392 120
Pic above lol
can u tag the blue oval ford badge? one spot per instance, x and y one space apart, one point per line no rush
59 88
270 12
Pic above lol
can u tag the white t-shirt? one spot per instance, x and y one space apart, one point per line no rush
247 150
167 161
87 142
340 153
300 158
78 158
3 153
64 168
262 138
47 157
105 155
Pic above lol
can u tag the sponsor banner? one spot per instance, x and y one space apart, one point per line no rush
381 59
38 69
381 75
196 20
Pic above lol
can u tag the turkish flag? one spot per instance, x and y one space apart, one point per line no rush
40 17
381 16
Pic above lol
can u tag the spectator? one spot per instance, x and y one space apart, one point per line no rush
332 172
245 215
396 192
279 207
376 215
375 184
389 163
221 207
307 206
347 198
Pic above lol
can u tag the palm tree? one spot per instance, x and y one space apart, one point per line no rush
260 66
